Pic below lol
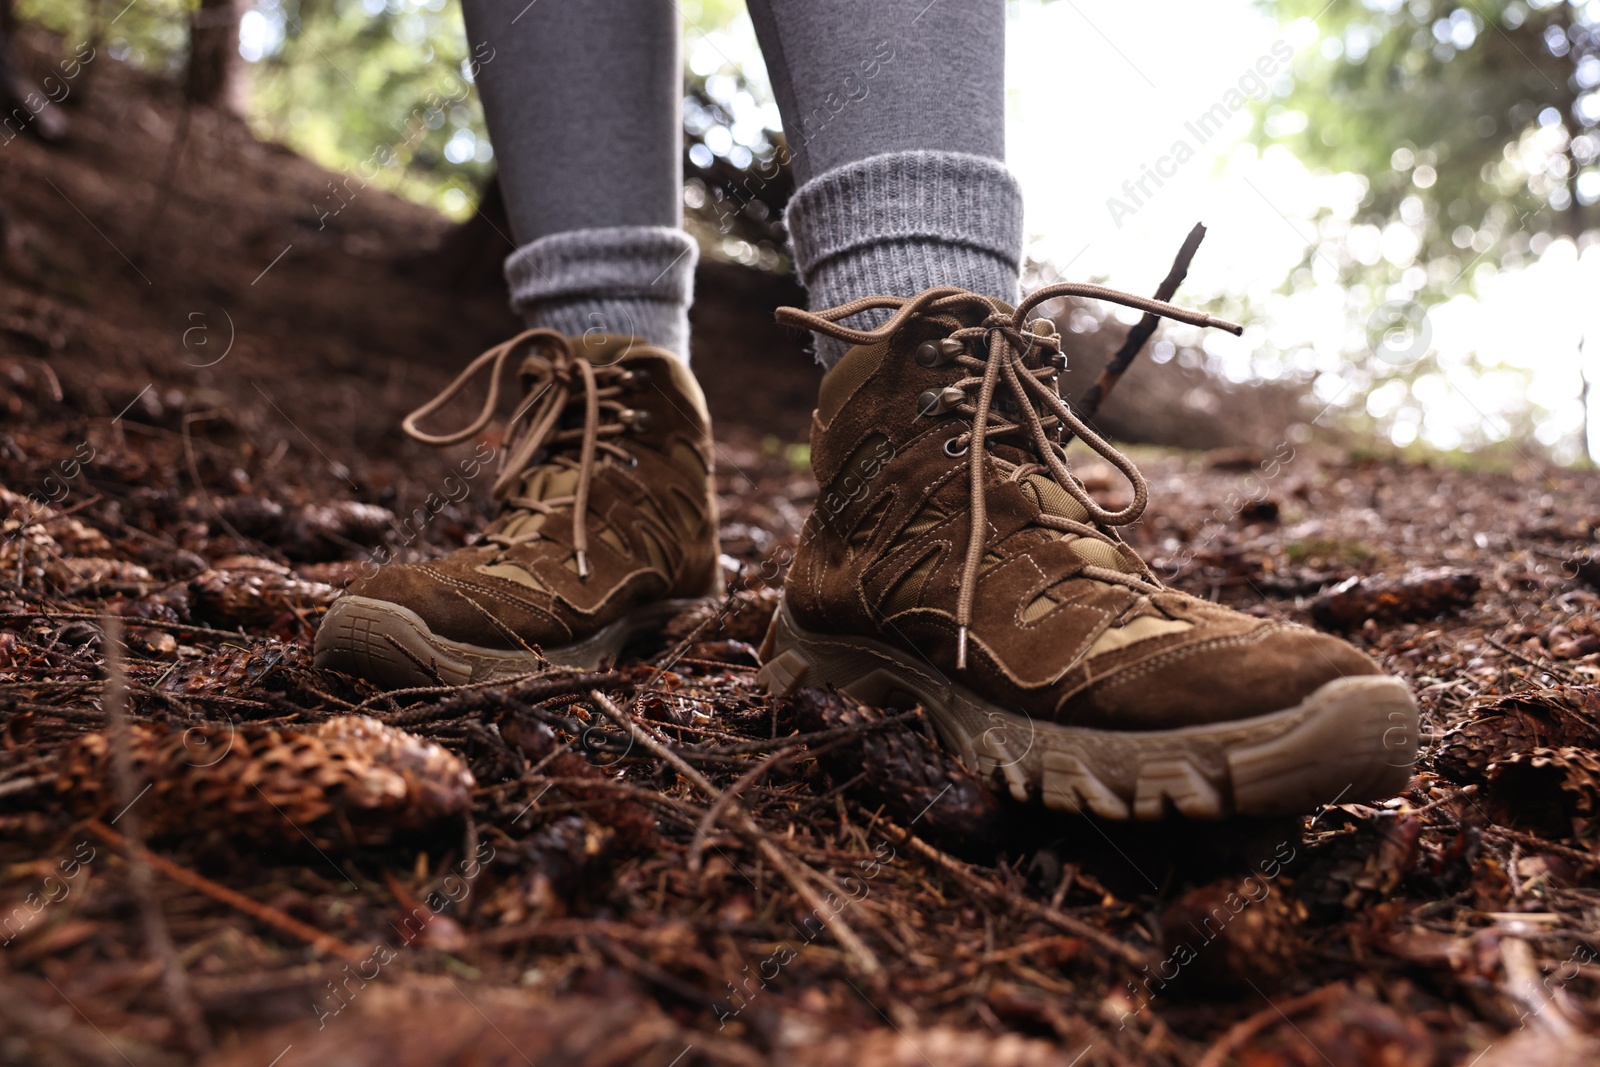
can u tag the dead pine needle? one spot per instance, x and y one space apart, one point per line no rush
185 1009
861 957
1239 1034
322 942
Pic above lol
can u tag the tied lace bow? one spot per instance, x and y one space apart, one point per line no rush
995 353
555 379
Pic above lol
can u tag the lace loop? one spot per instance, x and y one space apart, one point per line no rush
557 379
995 352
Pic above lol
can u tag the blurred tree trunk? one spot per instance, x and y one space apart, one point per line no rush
23 106
213 77
99 18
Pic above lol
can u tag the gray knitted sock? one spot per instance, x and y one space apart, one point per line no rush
899 223
633 280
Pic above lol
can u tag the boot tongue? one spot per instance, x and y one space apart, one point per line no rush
1005 402
602 349
1054 500
546 481
538 483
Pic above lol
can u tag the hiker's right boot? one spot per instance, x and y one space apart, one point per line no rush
954 561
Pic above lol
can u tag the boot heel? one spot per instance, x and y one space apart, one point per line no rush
783 665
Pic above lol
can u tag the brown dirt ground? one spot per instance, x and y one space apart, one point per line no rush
218 508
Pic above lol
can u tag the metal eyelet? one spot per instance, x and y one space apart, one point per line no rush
939 401
635 419
636 379
938 353
950 450
633 461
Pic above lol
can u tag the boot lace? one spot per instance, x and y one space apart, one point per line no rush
555 379
1004 350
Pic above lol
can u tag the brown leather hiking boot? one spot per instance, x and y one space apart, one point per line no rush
953 561
608 525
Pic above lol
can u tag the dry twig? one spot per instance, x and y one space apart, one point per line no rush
1012 899
1119 363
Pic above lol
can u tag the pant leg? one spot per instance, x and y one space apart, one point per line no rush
582 99
894 117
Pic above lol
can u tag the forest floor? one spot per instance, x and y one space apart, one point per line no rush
634 866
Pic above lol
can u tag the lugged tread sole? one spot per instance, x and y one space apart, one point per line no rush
359 636
1354 738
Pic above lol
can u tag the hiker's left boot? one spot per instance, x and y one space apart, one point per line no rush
607 527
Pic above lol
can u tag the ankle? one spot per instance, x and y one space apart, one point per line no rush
627 280
901 222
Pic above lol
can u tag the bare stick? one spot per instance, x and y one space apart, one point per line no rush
532 686
185 1010
1119 363
149 624
1572 855
21 785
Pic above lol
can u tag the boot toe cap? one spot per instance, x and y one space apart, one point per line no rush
1268 669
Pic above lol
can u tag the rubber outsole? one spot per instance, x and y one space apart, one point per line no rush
389 644
1354 738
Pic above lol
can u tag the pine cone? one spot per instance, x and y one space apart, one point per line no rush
1229 933
243 590
321 531
84 574
1554 792
1353 870
1563 716
326 531
253 516
922 785
1420 595
348 781
943 1045
742 616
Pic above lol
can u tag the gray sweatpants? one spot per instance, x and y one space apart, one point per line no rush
893 114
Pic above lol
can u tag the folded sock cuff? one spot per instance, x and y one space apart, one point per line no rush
901 222
946 198
635 280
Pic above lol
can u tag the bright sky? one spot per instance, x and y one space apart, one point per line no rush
1099 90
1103 92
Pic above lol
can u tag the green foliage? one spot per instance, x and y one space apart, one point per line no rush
378 89
1468 130
151 35
358 85
1473 125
